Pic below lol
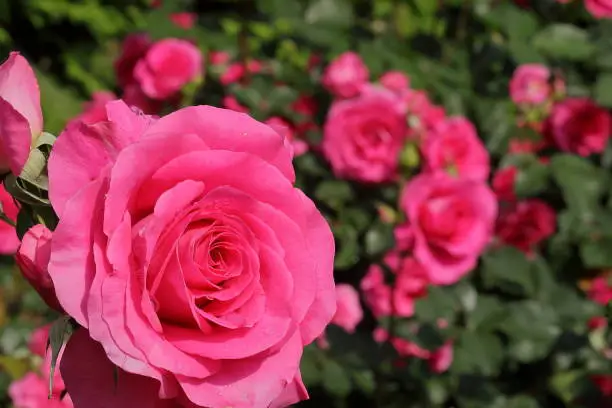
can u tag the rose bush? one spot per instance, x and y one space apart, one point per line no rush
455 156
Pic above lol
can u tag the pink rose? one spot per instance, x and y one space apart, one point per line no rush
33 259
283 128
8 236
599 8
95 110
218 57
454 146
184 20
441 359
395 81
348 311
133 49
363 137
167 67
21 120
411 281
32 391
230 102
527 223
423 115
345 76
579 126
600 290
38 340
233 73
452 220
202 274
530 84
503 183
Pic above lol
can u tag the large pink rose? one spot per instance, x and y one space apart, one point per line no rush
454 146
8 236
21 120
452 221
33 259
346 75
599 8
363 136
529 84
579 126
167 67
186 252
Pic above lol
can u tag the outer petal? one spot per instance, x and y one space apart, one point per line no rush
228 130
292 394
18 87
71 267
82 151
15 139
247 383
90 379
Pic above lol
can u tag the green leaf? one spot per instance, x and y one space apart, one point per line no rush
508 269
335 378
58 334
334 193
564 41
523 401
439 303
488 314
581 183
532 179
478 353
329 12
596 253
379 239
347 248
603 89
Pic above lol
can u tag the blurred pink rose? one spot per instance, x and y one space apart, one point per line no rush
33 260
526 145
423 115
578 125
526 223
21 121
203 274
600 290
440 360
236 71
345 75
133 49
8 236
134 96
285 129
395 81
452 220
348 309
530 84
363 136
32 391
38 340
167 67
184 19
218 57
604 383
503 183
454 146
230 102
411 281
95 110
599 8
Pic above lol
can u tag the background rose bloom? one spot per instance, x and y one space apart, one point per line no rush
363 136
39 340
395 81
526 223
8 236
204 271
599 8
21 121
33 259
32 391
348 311
454 146
452 220
529 84
95 110
133 49
578 125
345 76
503 183
168 66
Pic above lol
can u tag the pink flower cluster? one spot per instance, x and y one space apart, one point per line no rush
32 390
